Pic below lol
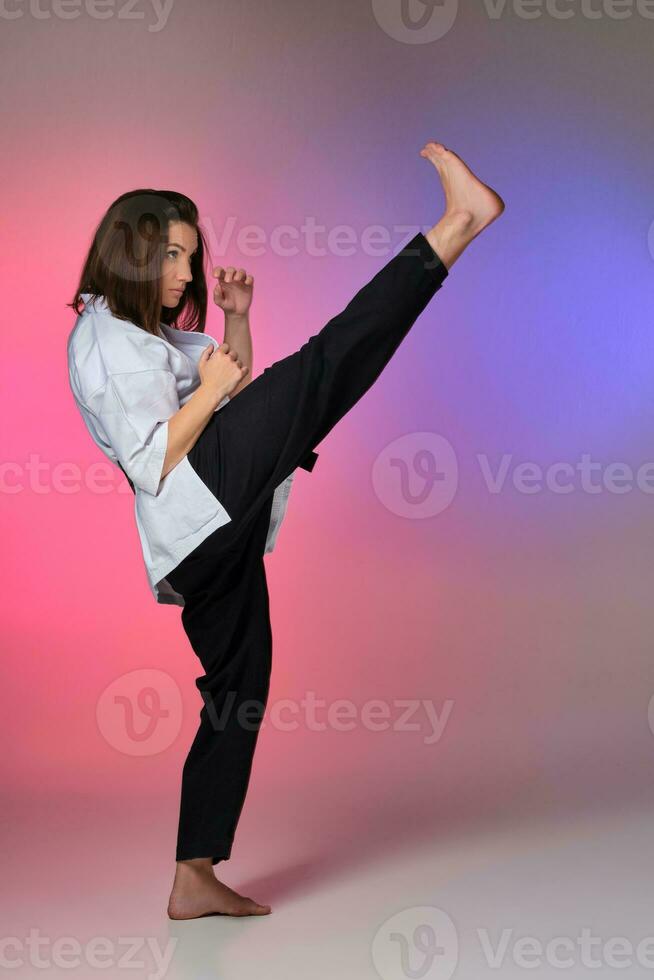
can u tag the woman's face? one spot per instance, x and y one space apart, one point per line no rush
176 270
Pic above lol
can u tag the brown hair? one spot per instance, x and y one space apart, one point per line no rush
125 259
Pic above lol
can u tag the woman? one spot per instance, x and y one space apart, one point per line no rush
210 453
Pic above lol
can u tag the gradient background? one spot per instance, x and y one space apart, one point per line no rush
531 613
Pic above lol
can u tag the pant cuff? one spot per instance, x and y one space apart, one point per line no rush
431 261
217 850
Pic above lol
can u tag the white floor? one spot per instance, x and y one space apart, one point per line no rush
467 905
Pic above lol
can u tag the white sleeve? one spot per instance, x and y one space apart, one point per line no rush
134 409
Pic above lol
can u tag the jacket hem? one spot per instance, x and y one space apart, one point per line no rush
158 574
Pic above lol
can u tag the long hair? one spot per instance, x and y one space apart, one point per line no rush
125 259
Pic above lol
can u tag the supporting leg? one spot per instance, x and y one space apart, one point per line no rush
228 625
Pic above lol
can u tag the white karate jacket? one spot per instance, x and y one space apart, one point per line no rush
127 383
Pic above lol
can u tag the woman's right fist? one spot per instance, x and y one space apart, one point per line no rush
220 369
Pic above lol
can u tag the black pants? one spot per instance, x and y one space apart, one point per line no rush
246 449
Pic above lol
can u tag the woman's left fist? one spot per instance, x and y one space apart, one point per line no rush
233 290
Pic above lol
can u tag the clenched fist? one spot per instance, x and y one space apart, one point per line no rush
220 369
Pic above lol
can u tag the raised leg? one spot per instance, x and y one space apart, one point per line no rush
270 427
265 432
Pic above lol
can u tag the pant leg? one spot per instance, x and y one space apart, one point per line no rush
227 622
270 427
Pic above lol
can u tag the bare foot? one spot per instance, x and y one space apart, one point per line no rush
197 892
470 205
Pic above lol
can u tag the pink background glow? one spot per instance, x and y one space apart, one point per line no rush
531 613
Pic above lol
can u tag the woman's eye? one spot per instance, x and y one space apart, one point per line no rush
173 253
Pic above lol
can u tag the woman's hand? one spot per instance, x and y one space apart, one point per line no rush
233 290
220 370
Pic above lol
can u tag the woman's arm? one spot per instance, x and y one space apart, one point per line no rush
185 426
221 372
233 292
239 338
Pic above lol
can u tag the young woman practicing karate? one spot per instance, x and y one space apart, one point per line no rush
210 454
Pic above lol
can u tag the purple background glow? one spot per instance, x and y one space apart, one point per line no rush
532 613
